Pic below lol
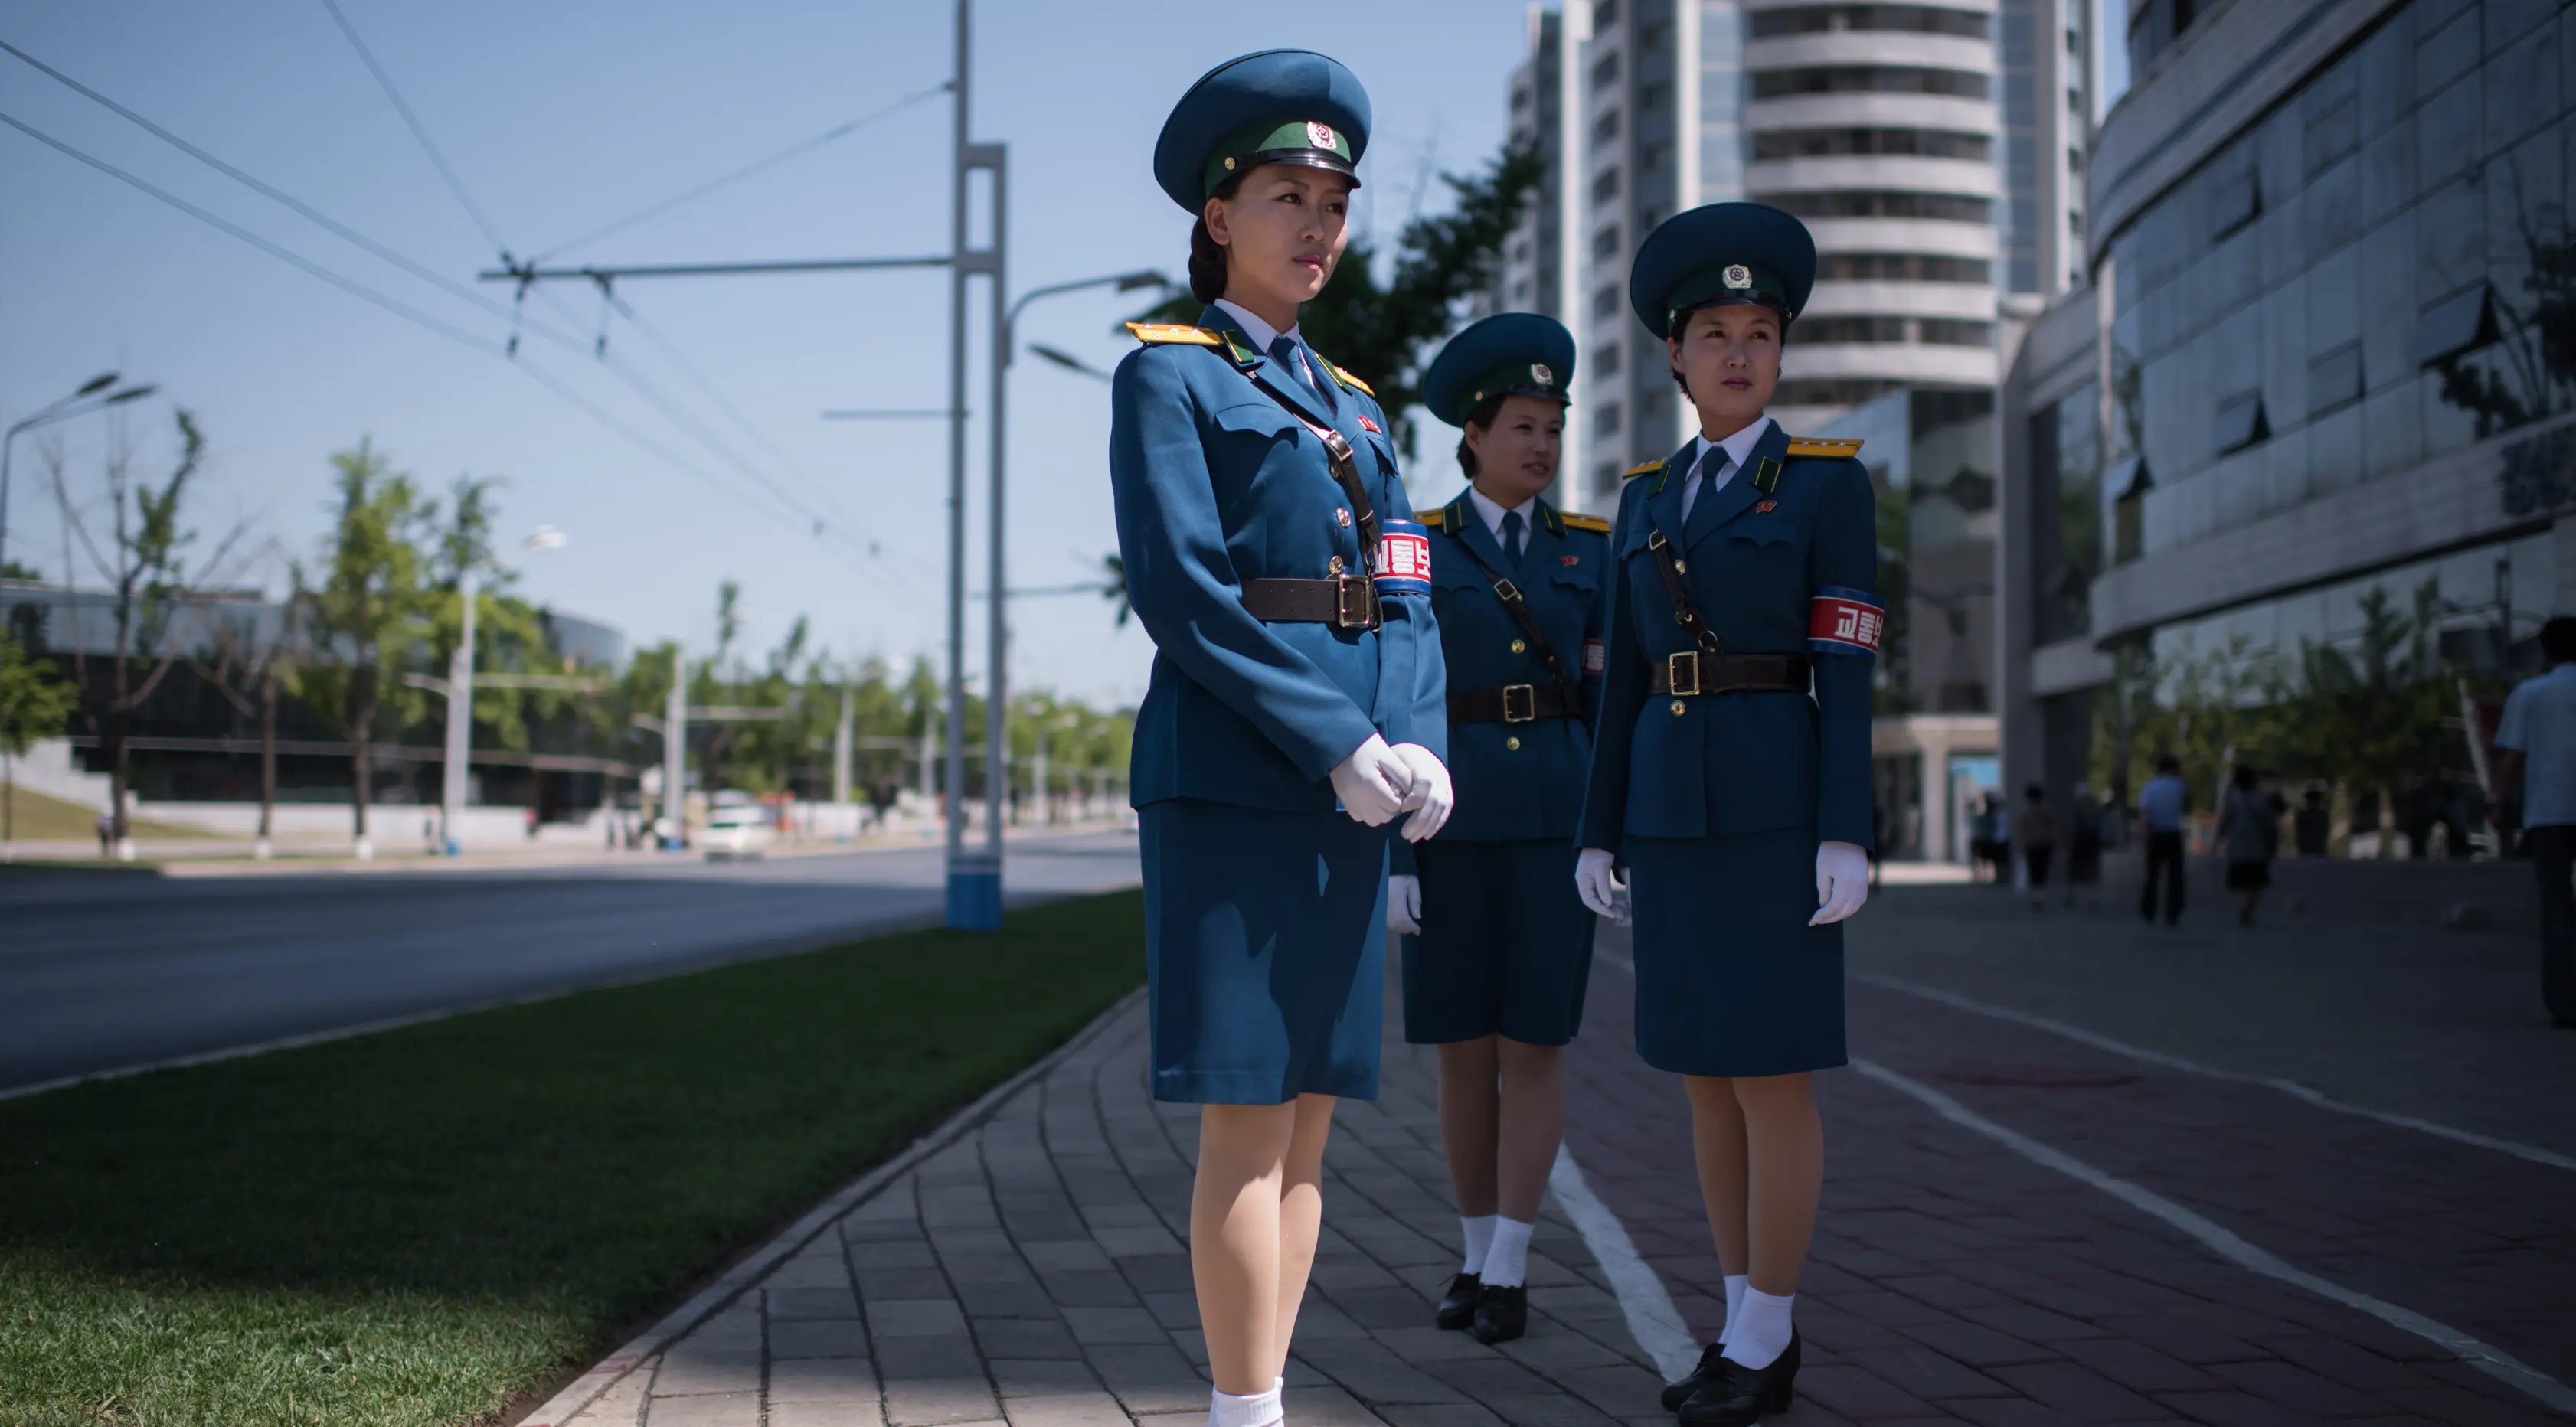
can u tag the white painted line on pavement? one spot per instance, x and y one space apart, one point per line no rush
2228 1245
1652 1319
2292 1088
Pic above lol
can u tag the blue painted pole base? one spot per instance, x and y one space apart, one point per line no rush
974 895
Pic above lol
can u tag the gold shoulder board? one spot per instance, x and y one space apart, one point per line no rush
1157 332
1593 523
1352 381
1435 518
1642 468
1814 446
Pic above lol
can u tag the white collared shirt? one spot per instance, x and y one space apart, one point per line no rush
1736 447
1263 334
1493 514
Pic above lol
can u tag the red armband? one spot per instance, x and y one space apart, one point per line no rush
1845 621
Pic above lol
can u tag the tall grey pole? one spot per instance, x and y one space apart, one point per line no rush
841 754
997 663
952 799
675 752
460 723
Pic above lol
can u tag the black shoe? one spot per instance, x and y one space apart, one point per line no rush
1677 1393
1458 1305
1741 1395
1502 1313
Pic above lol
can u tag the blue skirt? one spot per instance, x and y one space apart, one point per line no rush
1506 944
1730 978
1265 952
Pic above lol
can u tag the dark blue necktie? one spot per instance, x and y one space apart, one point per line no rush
1512 536
1284 352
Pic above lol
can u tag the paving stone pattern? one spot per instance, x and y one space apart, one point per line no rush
1036 1273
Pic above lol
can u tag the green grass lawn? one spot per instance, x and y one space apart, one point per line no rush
35 817
420 1225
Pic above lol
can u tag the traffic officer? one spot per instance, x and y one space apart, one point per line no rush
1295 707
1731 774
1501 946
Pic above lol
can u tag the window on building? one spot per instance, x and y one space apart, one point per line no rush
1902 267
1605 243
1605 128
1868 79
1605 13
1605 418
1605 300
2332 127
1950 332
1655 405
1650 156
2129 510
1651 36
1840 393
2334 380
2075 158
1826 19
2241 422
2455 326
1520 97
1605 185
1819 143
1605 71
1650 97
1605 362
1869 203
1649 216
1935 331
2235 199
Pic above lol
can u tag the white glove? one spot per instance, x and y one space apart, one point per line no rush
1599 886
1432 796
1404 904
1842 881
1372 783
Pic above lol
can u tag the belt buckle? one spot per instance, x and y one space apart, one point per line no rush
1528 703
1344 615
1673 666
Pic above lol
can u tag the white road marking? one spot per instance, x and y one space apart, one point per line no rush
2292 1088
2231 1247
1652 1319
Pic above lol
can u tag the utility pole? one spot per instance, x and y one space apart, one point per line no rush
841 754
974 880
675 752
460 723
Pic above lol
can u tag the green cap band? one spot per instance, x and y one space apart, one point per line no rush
1536 379
1303 141
1729 284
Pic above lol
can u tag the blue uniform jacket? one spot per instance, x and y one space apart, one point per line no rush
1215 484
1754 562
1517 780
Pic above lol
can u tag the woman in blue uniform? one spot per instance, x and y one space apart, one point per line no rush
1501 946
1294 711
1731 775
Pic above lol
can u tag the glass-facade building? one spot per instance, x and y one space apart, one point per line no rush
2329 350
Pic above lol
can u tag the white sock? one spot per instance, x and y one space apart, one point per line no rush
1259 1409
1735 1284
1761 1335
1507 1262
1479 1234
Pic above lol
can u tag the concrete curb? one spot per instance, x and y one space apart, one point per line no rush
586 1389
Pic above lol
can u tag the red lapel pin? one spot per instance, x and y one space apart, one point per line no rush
1766 507
1569 559
1368 425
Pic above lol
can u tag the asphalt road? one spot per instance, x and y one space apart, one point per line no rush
101 973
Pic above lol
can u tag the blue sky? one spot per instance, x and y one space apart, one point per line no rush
561 118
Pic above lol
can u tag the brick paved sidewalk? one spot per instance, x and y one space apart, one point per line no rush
1035 1273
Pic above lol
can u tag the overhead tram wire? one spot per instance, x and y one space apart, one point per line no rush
786 510
839 131
385 82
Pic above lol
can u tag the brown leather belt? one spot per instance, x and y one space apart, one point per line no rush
1691 672
1343 601
1510 703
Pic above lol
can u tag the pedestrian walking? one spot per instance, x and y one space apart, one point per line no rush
2538 739
2037 842
106 834
2249 832
1498 945
1731 776
2084 849
1295 706
2161 805
1983 860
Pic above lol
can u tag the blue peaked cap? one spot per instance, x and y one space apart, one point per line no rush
1721 254
1509 354
1272 106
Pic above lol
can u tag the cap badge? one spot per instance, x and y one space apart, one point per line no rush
1540 374
1320 135
1738 276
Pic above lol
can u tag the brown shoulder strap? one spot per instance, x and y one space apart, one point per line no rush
1517 606
1685 613
1346 471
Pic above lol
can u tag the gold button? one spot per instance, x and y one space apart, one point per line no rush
1519 648
1680 565
1513 744
1677 708
1336 566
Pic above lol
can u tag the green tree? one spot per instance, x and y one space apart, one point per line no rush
2372 714
369 610
34 703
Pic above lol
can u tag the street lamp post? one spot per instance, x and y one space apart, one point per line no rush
460 696
79 403
997 760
